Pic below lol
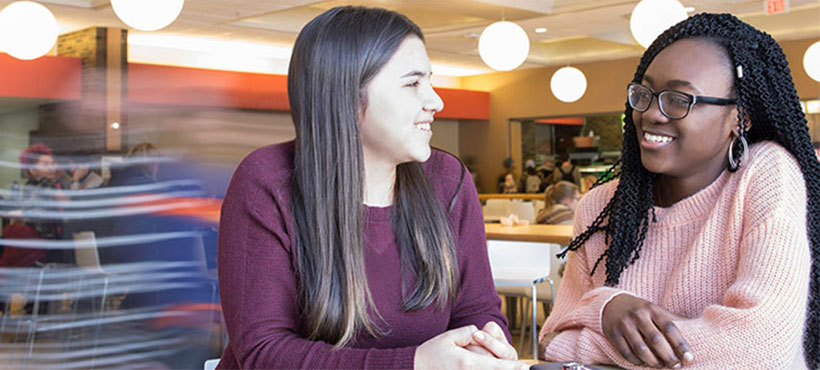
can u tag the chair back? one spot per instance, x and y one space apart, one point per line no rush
524 210
496 209
517 258
85 251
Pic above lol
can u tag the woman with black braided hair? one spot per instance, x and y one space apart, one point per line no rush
704 252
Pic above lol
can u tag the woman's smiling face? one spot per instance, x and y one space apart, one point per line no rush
696 145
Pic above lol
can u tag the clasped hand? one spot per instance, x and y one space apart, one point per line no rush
468 348
644 333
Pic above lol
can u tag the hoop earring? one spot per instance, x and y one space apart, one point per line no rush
744 147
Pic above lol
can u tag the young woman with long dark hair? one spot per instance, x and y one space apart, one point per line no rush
705 252
356 245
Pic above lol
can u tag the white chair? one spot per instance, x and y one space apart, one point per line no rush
496 209
211 364
521 264
524 210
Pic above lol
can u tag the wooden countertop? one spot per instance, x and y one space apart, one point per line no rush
558 234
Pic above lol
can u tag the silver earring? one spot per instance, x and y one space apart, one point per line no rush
735 164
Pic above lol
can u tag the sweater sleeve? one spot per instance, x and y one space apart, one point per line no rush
576 314
259 291
477 301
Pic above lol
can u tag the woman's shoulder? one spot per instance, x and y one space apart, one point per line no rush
275 157
444 167
264 173
772 180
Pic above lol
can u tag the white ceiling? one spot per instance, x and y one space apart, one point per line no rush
578 30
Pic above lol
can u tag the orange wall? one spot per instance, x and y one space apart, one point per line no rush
158 84
47 77
526 94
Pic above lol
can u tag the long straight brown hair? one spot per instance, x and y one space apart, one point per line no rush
334 58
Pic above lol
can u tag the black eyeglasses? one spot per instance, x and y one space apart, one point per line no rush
673 104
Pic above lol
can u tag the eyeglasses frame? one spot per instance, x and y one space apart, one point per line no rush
694 99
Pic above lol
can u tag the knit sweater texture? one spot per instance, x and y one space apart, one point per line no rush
733 260
258 275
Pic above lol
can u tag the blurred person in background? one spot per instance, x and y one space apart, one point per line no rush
38 209
357 245
705 252
79 175
566 171
530 181
157 216
510 185
560 200
502 179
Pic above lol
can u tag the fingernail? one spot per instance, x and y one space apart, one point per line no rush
688 356
676 365
478 335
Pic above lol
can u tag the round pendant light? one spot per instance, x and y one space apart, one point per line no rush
503 46
811 61
568 84
651 17
28 30
147 15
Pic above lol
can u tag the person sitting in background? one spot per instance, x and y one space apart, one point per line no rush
560 200
510 186
79 176
40 194
508 170
705 252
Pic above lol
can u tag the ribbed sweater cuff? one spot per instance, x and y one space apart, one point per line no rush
592 307
400 358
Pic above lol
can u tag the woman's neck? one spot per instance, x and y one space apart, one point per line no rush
669 190
379 180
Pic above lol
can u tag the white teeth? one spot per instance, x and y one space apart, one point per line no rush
423 126
656 138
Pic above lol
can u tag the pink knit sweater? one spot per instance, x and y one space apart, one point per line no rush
733 259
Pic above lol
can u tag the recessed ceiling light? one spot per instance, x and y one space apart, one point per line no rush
540 30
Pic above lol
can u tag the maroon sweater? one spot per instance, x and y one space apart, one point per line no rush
258 278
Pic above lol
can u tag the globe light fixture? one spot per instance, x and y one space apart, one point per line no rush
28 30
503 46
651 17
147 15
568 84
811 61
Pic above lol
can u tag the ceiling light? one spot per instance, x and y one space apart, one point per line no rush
651 17
811 61
503 46
147 15
568 84
540 30
28 30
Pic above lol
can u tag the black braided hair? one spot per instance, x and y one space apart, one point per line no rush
766 96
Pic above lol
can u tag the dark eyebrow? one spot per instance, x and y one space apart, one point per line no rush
673 84
681 83
415 74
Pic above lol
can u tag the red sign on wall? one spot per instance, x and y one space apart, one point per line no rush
777 6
